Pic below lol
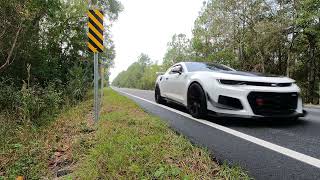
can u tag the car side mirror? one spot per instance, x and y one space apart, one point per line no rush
177 69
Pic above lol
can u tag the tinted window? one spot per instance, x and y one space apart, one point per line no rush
197 66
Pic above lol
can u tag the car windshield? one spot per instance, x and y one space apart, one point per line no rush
199 66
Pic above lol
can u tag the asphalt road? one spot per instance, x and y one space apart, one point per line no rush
268 149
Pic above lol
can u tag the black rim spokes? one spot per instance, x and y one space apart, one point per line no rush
194 104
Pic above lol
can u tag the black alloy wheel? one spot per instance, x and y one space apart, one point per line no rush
197 102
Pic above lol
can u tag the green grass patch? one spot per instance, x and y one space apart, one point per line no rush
127 143
132 144
37 152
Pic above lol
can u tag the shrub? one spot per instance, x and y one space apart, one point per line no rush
8 94
35 102
30 104
78 84
52 99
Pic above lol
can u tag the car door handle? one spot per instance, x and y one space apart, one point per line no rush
167 78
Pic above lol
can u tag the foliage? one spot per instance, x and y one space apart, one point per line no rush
9 94
30 103
44 68
40 152
140 74
35 102
79 82
275 36
178 50
44 62
278 37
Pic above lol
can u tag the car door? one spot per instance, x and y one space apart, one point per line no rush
168 85
163 83
171 82
177 83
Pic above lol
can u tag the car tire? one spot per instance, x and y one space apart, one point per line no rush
157 96
197 101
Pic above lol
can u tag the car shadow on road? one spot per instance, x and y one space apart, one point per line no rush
257 123
251 123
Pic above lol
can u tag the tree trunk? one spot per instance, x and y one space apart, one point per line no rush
312 69
10 53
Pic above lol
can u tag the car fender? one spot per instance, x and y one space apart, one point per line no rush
200 78
158 81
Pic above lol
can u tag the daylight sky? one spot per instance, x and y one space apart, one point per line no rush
146 26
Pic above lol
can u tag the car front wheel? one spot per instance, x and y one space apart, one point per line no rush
157 96
197 102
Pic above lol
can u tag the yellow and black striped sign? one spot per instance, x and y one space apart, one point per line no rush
95 35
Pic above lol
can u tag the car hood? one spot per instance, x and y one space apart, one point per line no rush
249 76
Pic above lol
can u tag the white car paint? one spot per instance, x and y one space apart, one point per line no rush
174 86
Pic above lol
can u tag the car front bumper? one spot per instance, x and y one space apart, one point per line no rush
241 93
293 115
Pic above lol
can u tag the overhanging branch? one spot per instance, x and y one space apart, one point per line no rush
8 60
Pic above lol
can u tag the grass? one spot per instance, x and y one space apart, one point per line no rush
132 144
127 143
38 152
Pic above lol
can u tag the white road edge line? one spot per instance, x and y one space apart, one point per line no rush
282 150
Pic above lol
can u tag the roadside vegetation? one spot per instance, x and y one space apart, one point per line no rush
277 37
127 143
131 144
44 62
45 69
37 152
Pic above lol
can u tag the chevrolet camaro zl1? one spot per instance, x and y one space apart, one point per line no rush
223 91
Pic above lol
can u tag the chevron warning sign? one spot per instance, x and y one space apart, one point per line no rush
95 35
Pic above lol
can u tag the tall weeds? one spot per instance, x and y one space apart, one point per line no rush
32 103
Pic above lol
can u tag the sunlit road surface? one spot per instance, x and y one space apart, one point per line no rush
267 149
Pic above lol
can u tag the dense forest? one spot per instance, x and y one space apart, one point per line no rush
270 36
44 62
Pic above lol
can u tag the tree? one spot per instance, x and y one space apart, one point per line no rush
140 74
178 50
277 36
51 37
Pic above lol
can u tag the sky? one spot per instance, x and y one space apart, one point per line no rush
146 26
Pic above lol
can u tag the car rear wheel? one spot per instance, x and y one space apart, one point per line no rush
197 102
157 96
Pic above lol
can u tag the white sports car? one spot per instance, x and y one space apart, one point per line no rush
223 91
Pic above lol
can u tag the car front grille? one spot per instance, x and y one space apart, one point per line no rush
251 83
268 103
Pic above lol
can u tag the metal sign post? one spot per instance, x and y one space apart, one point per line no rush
96 87
102 79
95 45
